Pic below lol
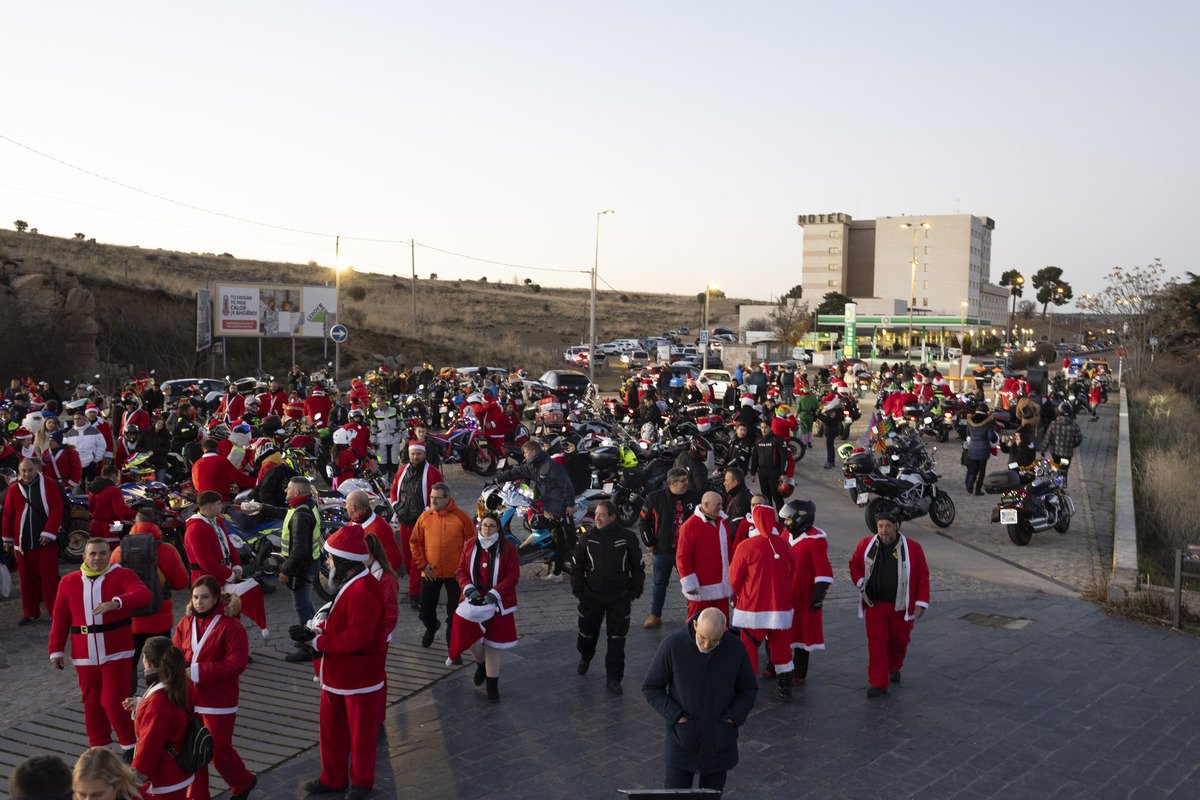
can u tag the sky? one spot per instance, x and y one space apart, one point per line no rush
498 131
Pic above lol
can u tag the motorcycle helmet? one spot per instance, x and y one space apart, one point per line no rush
649 432
219 431
1066 409
537 517
265 449
522 374
628 457
271 425
475 397
798 516
355 413
844 451
341 436
786 487
700 447
131 430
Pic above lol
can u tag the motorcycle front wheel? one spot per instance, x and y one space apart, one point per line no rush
941 511
1064 522
943 434
320 587
482 461
1020 534
874 508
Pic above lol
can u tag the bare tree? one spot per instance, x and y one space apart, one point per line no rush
1026 309
790 320
1137 303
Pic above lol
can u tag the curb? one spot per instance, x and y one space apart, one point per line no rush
1124 577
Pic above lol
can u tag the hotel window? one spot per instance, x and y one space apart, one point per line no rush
926 284
833 282
924 301
833 251
926 249
835 234
927 267
834 267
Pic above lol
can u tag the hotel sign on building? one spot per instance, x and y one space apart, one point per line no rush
822 219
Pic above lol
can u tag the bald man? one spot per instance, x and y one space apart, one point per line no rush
358 507
702 557
702 684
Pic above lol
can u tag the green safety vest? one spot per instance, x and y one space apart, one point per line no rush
287 531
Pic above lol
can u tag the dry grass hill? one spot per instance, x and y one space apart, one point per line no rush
145 310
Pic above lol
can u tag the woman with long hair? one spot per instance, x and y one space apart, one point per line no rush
216 650
389 581
484 623
41 439
100 774
160 721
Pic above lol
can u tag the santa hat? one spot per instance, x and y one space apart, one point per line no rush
348 542
413 444
36 402
92 407
747 399
22 433
703 424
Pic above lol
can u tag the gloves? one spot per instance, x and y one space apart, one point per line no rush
299 633
491 598
472 593
818 599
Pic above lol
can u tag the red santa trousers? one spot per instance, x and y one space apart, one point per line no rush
38 569
349 733
779 648
721 603
226 760
104 687
414 578
887 641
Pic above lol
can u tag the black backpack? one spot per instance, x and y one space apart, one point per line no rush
196 750
139 552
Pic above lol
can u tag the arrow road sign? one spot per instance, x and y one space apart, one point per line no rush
339 333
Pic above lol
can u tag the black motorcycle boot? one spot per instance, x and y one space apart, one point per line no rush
783 687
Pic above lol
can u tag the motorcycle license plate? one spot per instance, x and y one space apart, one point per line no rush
849 483
863 499
1008 516
608 487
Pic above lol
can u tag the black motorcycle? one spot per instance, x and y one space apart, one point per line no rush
911 494
1032 500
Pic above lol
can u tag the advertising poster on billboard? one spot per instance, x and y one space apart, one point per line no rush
274 310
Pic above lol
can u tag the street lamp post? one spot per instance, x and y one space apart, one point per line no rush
1012 290
912 295
337 301
962 325
592 336
1050 319
708 290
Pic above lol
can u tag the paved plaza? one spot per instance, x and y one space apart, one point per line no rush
1014 687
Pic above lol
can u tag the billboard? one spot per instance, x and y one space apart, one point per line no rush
275 310
203 320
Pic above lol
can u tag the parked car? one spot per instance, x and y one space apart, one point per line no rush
180 386
634 359
572 354
953 353
565 384
720 379
721 330
469 372
932 353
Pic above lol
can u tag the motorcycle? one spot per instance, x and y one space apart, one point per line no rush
523 519
467 445
1031 502
911 494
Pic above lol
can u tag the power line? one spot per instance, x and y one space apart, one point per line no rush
501 263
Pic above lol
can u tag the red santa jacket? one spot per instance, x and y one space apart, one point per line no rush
217 651
811 551
924 393
209 551
502 574
107 506
106 431
171 572
96 638
389 589
761 576
373 523
360 438
294 409
353 638
913 570
358 395
138 418
273 403
63 465
231 408
213 473
702 557
317 407
784 426
23 527
158 723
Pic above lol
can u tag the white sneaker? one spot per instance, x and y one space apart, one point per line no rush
555 577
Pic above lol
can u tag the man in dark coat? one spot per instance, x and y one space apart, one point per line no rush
663 514
737 498
608 576
702 684
553 487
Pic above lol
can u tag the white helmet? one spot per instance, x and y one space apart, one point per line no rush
341 436
475 397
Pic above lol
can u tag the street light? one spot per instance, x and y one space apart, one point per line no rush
708 290
912 296
1017 283
595 266
1050 318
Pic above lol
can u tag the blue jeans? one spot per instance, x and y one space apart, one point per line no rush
302 593
662 564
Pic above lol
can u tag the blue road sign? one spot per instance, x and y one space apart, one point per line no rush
339 333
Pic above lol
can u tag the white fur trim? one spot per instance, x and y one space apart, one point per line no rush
689 583
346 554
762 620
210 710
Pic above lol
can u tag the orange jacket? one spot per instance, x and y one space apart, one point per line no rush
438 539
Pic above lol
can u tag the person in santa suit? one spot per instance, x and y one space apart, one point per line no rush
812 577
32 517
746 527
232 405
410 497
209 551
317 406
93 606
128 446
161 718
923 390
173 576
761 576
23 439
359 397
892 577
360 434
107 506
92 412
234 447
211 473
216 650
1009 391
702 557
294 408
273 401
353 642
62 463
133 414
358 508
488 572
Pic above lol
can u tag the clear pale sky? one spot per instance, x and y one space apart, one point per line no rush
498 130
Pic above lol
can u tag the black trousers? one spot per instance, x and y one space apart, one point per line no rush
615 616
768 486
682 779
431 591
976 470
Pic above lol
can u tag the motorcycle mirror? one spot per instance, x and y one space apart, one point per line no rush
97 376
329 364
